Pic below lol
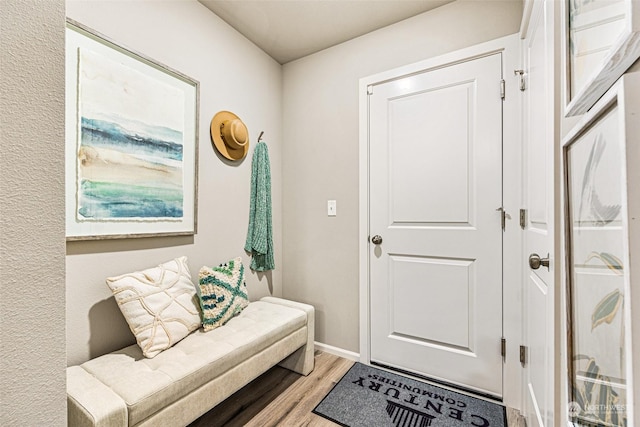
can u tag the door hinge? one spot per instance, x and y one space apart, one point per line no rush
370 90
523 355
523 218
503 218
521 73
503 348
502 88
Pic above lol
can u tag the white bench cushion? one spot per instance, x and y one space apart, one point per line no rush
148 384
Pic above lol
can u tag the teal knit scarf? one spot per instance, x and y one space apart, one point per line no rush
260 233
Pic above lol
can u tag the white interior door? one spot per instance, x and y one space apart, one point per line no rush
435 182
538 284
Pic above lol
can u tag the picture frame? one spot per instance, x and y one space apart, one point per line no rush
131 146
599 191
601 41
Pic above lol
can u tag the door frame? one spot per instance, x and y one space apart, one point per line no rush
513 262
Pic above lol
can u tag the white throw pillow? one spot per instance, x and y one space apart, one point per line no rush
160 304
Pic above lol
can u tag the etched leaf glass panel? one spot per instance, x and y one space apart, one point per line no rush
595 164
594 28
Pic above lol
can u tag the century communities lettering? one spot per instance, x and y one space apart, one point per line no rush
415 399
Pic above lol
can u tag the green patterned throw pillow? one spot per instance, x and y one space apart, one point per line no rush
223 293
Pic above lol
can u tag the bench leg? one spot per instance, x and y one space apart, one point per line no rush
302 360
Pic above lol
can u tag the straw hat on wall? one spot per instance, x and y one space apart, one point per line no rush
230 135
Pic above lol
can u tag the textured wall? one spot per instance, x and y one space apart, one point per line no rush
234 75
320 155
32 297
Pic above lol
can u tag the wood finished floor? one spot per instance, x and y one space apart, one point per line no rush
283 398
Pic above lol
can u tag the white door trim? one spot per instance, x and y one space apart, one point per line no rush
513 260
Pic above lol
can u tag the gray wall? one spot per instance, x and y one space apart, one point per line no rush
32 298
320 154
317 161
234 75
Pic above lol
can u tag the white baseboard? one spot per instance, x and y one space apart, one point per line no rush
337 351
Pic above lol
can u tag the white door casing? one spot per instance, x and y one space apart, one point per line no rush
436 199
508 47
539 179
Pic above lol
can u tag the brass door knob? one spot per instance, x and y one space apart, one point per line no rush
535 261
376 240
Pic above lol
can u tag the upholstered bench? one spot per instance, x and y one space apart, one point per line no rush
181 383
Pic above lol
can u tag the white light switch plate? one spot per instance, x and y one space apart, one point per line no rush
331 207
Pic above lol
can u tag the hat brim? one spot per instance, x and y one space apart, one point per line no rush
218 142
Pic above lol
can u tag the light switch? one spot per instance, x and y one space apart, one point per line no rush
331 207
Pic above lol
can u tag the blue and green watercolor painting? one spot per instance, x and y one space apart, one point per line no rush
130 150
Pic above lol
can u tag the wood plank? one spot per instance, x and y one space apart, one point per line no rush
294 407
515 419
280 397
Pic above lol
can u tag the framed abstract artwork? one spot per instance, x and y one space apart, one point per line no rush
601 204
131 142
602 40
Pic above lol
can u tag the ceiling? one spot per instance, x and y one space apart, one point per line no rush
290 29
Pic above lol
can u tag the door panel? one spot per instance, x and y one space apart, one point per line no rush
435 187
539 229
423 135
537 298
449 319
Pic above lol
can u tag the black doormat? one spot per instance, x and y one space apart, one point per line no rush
370 397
